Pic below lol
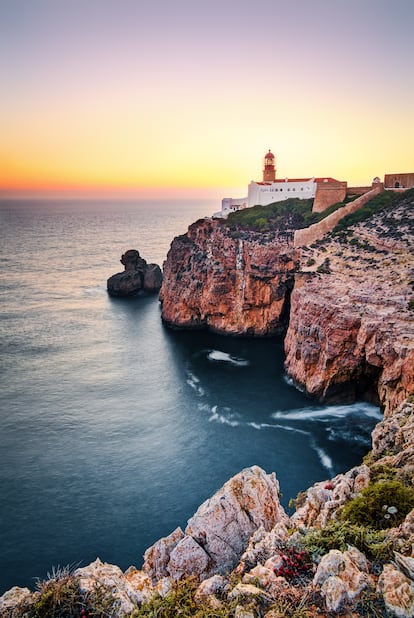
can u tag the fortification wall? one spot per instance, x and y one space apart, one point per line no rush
327 194
399 181
358 190
316 231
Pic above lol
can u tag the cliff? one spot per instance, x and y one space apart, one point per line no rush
229 281
351 329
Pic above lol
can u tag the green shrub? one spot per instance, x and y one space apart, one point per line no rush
310 262
59 597
291 214
179 602
411 304
381 505
324 267
339 534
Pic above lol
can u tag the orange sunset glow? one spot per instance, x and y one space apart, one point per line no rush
123 97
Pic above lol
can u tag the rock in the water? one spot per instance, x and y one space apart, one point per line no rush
138 276
218 533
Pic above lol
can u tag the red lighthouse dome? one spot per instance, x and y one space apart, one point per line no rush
269 155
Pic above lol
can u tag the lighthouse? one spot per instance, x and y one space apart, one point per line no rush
269 171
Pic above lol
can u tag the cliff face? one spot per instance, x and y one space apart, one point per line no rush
235 283
351 329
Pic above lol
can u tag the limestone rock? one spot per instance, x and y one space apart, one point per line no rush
218 533
263 546
267 578
405 564
231 283
223 524
138 276
157 557
324 498
342 577
393 441
248 591
126 590
209 591
213 585
187 558
15 597
398 592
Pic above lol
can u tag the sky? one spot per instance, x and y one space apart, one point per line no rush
184 98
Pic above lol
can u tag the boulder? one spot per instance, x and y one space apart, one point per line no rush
127 591
13 598
218 533
398 591
342 576
138 276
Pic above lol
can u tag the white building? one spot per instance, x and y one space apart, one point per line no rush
271 190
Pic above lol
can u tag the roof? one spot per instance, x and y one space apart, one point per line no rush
269 155
287 180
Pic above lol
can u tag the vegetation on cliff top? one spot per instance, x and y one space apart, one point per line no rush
378 205
289 215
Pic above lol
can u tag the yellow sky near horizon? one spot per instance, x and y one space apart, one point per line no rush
107 97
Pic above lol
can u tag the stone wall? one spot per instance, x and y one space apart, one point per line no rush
399 181
328 193
316 231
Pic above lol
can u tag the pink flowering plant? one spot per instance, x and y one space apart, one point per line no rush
295 564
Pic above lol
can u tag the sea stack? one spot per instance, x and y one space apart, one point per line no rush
137 278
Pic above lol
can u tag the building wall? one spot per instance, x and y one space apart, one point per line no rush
405 181
328 193
229 204
262 195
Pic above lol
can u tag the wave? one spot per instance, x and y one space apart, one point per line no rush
194 383
259 426
221 418
324 458
226 417
329 412
291 382
224 357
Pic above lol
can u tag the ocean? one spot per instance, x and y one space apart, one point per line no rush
114 429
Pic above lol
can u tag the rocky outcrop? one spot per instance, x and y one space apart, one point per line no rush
398 591
137 278
229 281
351 329
218 533
324 499
342 576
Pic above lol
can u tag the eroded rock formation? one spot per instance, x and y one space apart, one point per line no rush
231 282
351 329
137 277
218 533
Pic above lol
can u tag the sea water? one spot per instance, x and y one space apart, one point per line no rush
114 429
